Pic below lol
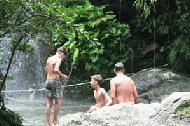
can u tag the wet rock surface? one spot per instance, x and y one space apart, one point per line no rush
154 85
154 114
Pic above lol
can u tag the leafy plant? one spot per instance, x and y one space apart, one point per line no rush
183 110
9 118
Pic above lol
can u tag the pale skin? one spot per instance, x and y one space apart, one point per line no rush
53 73
100 95
123 89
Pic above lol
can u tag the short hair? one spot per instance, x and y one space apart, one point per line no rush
62 49
98 78
119 66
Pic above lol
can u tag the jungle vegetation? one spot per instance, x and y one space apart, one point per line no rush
98 33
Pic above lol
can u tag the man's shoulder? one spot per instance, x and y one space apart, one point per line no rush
49 58
117 78
128 77
114 78
57 59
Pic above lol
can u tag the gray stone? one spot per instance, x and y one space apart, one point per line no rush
154 114
154 85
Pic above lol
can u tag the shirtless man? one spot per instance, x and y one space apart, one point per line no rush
100 95
123 89
53 85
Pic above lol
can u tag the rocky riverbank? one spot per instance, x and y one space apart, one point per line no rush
158 106
154 114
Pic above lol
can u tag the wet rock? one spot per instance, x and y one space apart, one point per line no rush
154 114
166 113
154 85
120 115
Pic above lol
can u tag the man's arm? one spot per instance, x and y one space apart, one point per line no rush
46 65
113 91
109 100
56 69
96 105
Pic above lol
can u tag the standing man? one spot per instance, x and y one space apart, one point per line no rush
123 89
53 84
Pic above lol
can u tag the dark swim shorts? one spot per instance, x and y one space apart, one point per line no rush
53 88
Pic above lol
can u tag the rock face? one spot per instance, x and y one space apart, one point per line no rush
166 113
153 114
121 115
154 85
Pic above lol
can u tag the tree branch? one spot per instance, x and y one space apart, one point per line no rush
3 34
10 62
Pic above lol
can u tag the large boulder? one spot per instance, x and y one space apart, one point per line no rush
154 85
153 114
120 114
169 114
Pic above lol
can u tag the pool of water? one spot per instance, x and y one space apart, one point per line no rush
33 112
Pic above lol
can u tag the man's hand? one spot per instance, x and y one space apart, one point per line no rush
65 77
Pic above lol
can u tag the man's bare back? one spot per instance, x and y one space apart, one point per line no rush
125 89
52 62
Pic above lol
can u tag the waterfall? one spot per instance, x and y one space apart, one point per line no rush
27 70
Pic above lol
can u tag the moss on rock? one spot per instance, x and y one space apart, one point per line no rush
183 110
9 118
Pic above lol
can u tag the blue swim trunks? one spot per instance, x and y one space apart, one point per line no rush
53 88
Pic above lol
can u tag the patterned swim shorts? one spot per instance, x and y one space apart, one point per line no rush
53 88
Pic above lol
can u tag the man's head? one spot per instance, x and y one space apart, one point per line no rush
96 79
119 67
62 51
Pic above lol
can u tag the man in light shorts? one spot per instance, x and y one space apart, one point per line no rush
53 85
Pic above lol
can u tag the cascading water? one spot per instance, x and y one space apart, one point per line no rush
26 72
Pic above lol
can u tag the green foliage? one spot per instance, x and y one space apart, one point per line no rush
9 118
183 110
145 6
92 33
166 24
87 31
96 39
2 105
26 47
23 46
179 48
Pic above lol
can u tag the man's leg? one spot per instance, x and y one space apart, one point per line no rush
48 110
56 110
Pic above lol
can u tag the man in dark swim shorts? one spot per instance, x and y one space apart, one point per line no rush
53 89
53 85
